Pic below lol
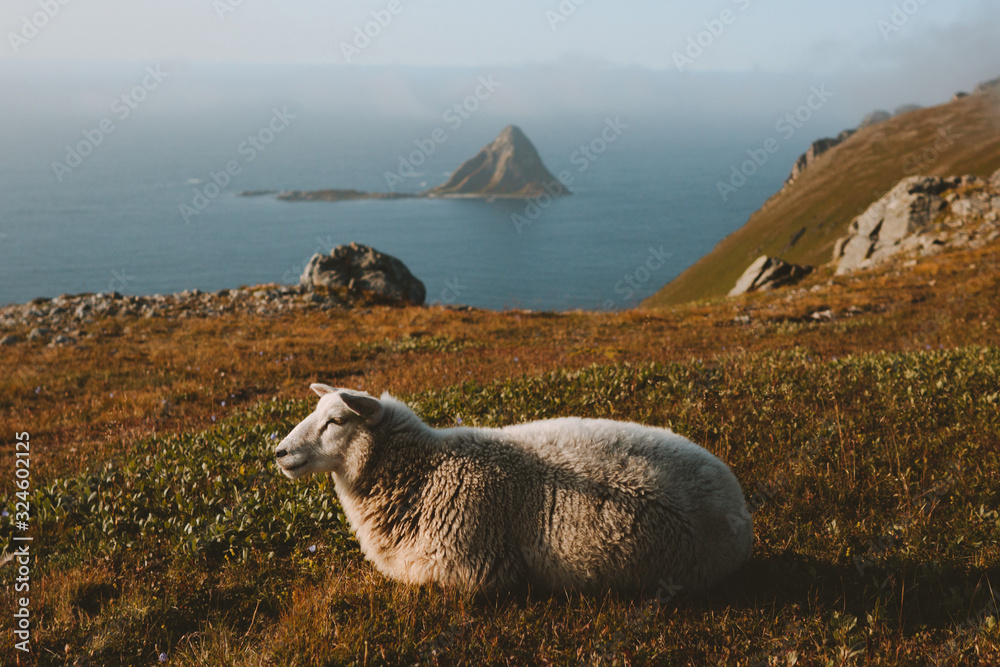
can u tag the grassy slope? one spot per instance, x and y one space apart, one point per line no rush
868 446
841 185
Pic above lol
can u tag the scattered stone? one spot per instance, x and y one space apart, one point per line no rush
767 273
9 340
61 341
63 316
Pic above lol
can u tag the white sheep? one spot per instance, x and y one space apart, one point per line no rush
589 504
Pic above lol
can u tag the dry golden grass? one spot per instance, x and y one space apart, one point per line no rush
115 588
164 376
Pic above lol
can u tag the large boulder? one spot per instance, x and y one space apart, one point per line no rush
364 271
879 233
767 273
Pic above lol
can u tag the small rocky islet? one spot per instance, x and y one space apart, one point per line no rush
509 167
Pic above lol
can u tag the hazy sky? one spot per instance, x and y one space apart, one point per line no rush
762 35
737 58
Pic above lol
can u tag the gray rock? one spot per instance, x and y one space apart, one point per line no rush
815 150
9 340
61 341
909 208
768 273
969 206
38 333
874 118
363 269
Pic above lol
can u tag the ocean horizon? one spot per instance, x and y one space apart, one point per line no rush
644 207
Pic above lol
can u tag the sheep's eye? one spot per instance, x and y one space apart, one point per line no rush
339 421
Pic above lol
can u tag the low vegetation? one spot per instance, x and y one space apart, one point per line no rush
867 441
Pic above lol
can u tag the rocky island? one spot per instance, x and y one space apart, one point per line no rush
333 194
508 167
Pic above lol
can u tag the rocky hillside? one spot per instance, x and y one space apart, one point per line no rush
921 216
802 223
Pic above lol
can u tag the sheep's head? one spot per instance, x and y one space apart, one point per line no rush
320 442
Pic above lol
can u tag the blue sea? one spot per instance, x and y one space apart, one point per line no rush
114 221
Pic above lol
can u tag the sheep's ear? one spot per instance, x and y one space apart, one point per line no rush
368 407
322 389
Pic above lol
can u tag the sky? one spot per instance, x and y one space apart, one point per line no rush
412 57
749 35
